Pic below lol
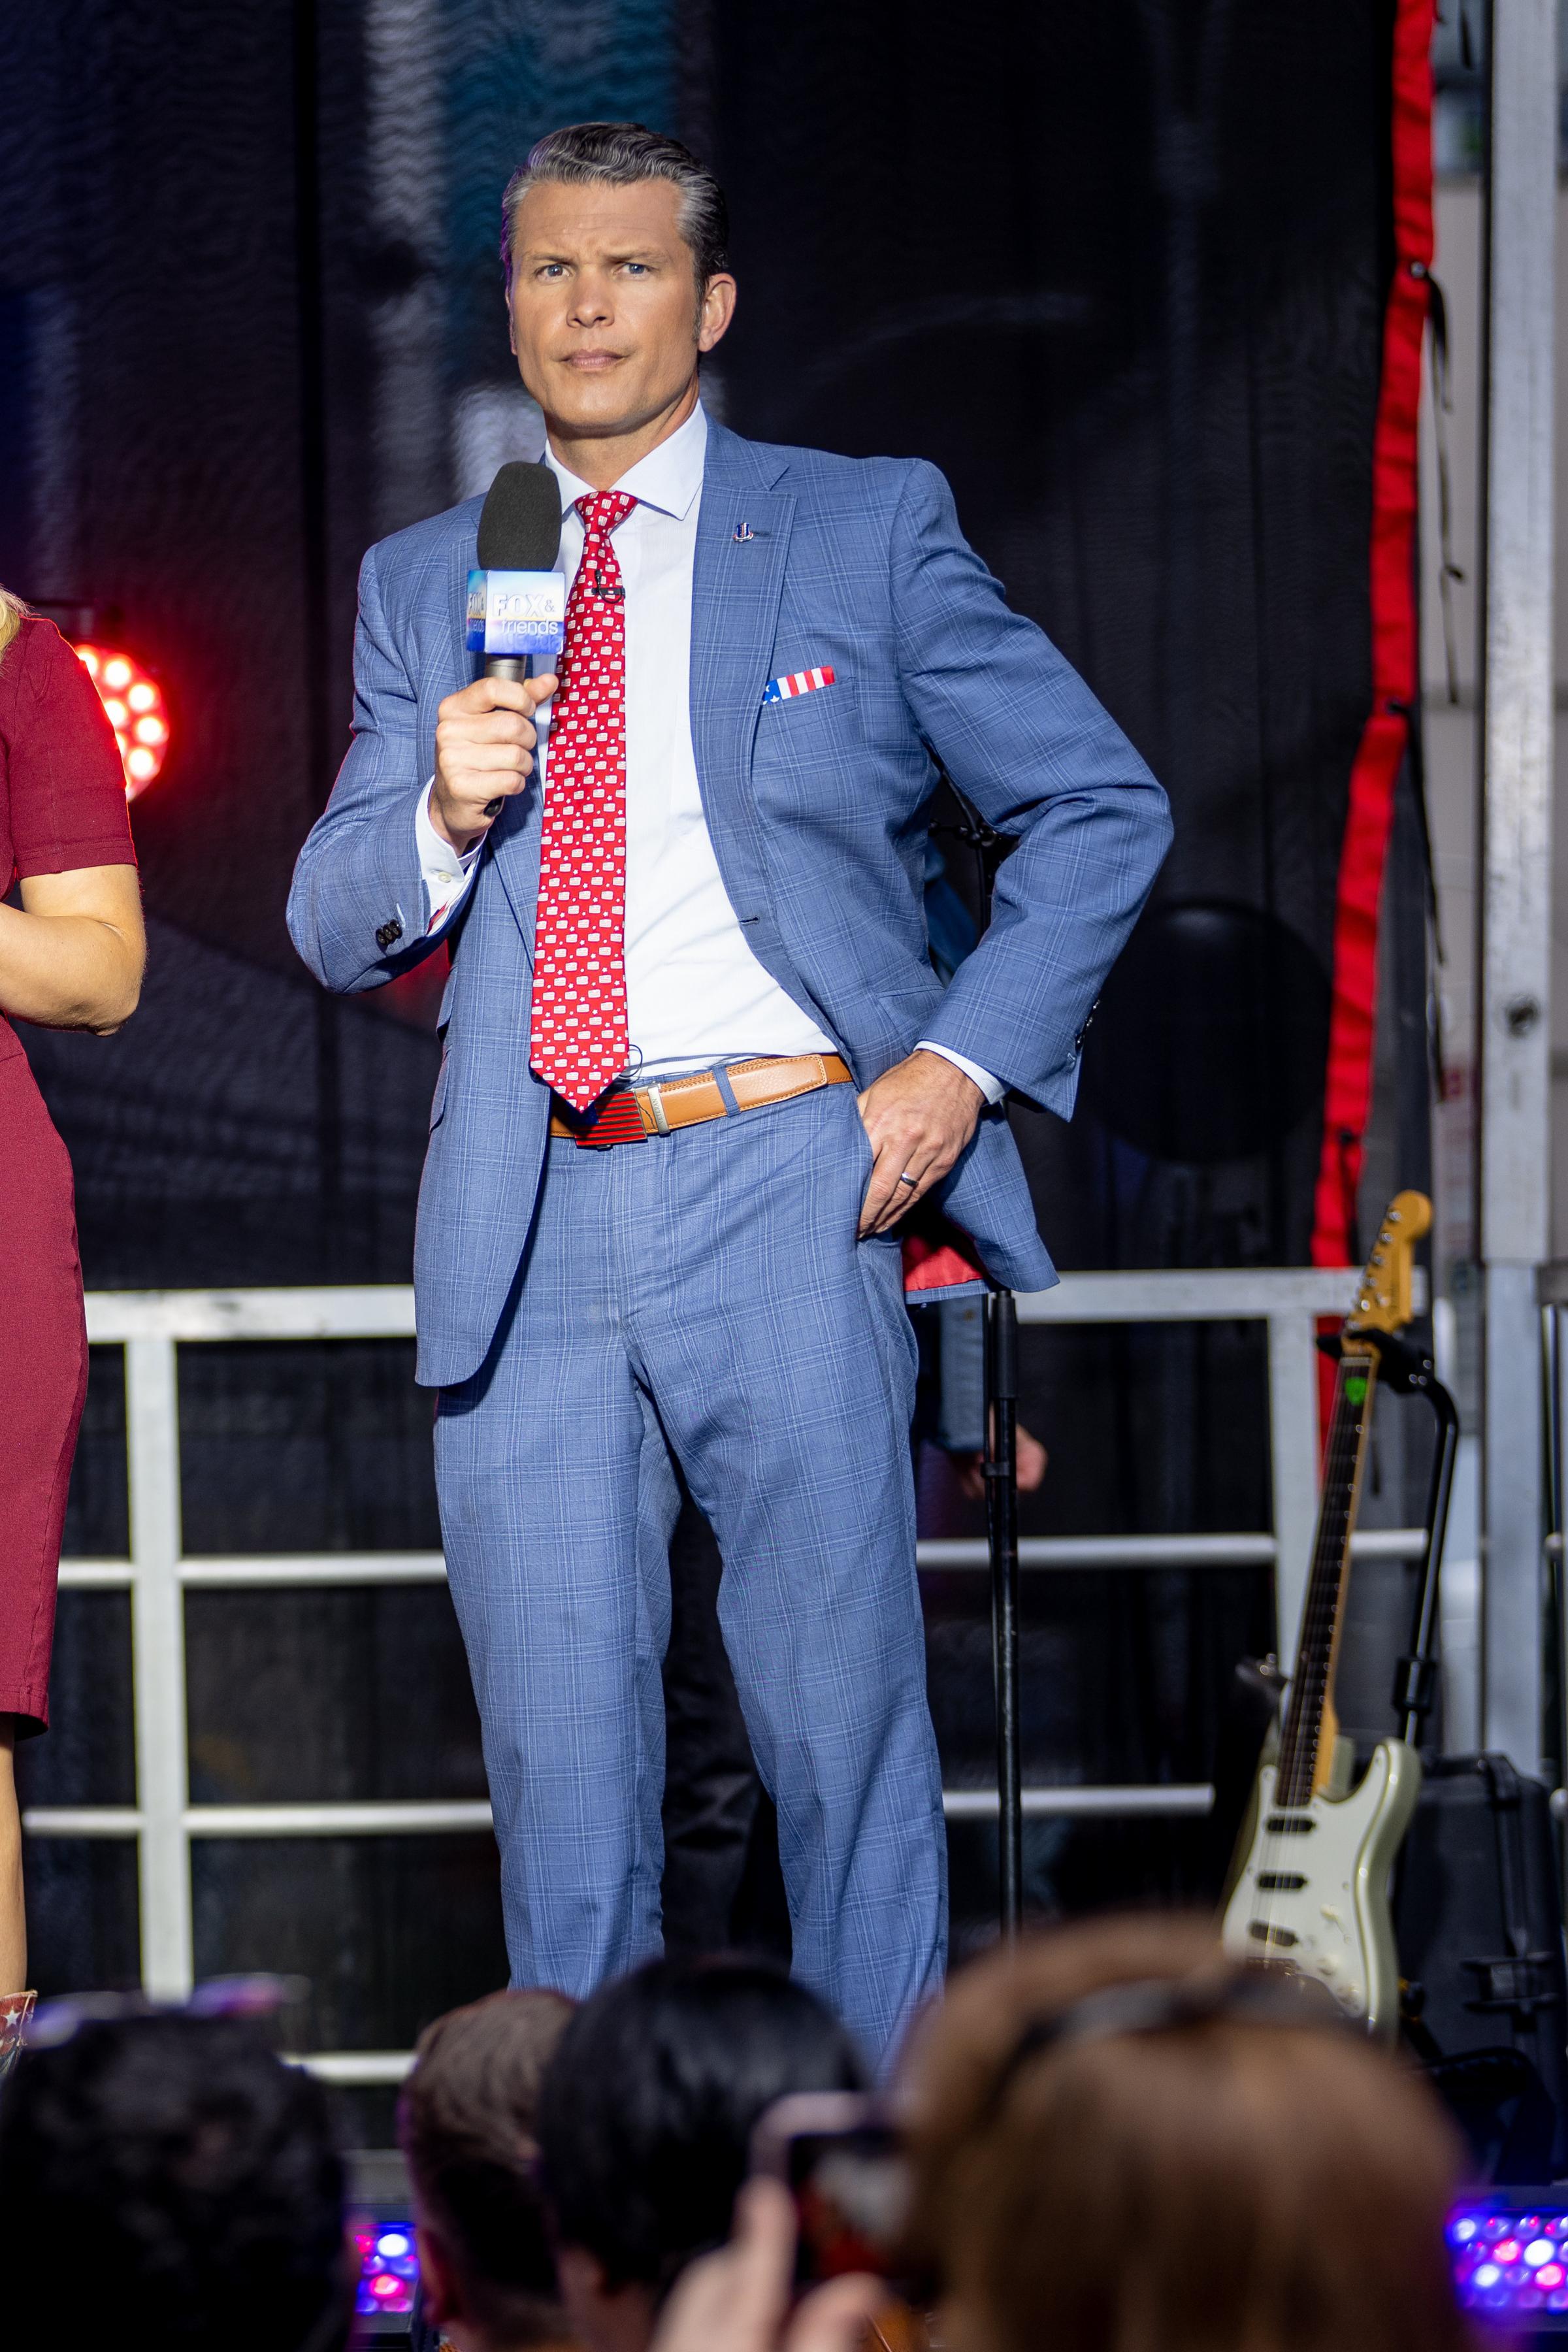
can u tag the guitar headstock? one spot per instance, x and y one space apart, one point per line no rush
1383 1299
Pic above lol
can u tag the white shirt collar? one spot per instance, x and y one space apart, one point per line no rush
668 478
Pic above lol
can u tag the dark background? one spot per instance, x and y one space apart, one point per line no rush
1119 271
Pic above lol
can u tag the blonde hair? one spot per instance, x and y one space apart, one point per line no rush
12 614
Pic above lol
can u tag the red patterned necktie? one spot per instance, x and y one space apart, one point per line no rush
578 1041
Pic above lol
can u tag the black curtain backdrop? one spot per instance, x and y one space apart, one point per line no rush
1119 271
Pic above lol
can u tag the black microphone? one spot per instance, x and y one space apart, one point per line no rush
520 531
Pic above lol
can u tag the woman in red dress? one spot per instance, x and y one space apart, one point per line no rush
70 957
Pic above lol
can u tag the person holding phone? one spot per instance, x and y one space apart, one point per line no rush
72 955
645 2124
1111 2136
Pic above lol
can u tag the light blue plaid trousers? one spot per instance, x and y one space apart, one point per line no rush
703 1293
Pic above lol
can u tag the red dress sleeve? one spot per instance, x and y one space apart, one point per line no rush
65 783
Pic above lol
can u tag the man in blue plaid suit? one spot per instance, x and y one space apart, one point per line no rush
705 1262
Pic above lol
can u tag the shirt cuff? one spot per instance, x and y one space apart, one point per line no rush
992 1088
445 873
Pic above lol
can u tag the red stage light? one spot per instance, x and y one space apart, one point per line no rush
135 709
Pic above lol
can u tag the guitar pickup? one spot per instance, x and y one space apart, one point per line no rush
1289 1824
1281 1882
1262 1932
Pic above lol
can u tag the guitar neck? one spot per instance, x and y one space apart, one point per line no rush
1303 1759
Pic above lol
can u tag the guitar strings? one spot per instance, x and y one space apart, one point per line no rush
1296 1770
1345 1455
1299 1743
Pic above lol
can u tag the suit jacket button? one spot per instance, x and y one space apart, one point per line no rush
389 932
1089 1016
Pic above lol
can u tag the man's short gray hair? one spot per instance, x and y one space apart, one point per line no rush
620 153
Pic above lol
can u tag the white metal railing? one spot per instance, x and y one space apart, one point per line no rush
150 1326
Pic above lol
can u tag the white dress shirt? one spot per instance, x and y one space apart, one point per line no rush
696 994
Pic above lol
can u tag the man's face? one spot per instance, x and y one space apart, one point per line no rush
607 321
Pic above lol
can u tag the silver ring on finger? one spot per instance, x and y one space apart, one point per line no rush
907 1179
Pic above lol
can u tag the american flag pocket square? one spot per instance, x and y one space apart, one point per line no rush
799 681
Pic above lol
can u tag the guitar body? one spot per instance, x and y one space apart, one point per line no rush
1313 1891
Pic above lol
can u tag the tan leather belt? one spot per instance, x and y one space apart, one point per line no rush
687 1101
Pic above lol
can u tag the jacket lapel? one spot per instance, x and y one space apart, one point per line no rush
736 586
457 665
513 845
514 842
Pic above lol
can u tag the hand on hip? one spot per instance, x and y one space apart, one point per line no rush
918 1116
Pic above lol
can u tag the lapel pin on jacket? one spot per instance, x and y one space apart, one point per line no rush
742 533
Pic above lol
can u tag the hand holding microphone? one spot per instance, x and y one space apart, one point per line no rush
485 735
485 743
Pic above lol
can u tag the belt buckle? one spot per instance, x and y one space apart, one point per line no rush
655 1104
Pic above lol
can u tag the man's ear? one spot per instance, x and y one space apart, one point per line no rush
603 2317
440 2291
581 2278
715 310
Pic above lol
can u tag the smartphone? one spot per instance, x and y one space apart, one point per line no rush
840 2157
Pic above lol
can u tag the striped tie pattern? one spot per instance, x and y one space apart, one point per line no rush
578 1039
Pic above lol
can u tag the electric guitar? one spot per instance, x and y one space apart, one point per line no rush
1312 1892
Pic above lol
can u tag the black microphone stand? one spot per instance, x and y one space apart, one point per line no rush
1001 1474
1002 1531
1409 1371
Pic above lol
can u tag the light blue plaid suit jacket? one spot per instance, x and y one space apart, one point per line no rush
814 807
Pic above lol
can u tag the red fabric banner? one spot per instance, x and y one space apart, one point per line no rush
1394 655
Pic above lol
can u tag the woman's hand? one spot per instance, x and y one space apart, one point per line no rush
738 2300
72 955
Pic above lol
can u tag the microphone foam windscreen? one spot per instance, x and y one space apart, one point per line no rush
520 524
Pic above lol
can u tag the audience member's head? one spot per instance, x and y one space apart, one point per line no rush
466 2122
1164 2170
165 2180
645 2123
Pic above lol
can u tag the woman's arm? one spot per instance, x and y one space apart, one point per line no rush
72 955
